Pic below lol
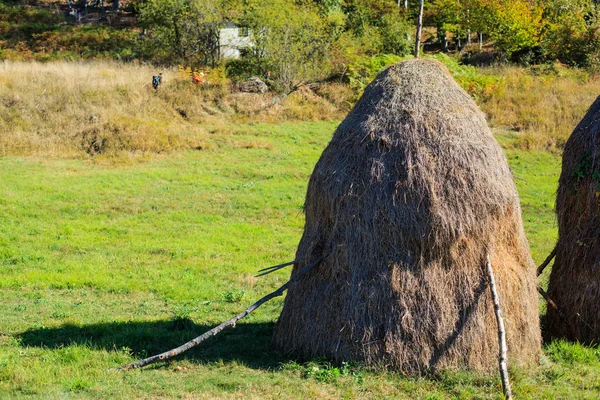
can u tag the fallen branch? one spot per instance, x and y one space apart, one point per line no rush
502 358
229 323
546 262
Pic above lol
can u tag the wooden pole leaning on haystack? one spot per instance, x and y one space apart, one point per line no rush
561 314
229 323
541 291
552 304
502 358
546 262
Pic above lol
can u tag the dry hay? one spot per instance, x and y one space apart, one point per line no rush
407 199
575 279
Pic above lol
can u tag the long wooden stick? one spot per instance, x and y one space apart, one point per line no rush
503 358
277 266
551 302
229 323
546 262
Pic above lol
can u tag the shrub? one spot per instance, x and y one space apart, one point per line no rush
242 68
481 86
570 31
364 70
394 36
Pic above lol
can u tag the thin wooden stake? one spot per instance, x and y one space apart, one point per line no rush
229 323
503 358
546 262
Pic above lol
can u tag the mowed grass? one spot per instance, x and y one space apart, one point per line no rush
101 265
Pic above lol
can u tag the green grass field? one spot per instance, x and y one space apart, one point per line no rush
103 264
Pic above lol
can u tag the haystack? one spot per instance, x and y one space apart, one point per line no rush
575 279
405 203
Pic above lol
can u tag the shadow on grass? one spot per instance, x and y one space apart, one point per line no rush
247 343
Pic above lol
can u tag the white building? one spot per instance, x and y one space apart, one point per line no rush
232 39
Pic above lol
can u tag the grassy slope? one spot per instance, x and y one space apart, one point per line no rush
541 104
74 110
101 265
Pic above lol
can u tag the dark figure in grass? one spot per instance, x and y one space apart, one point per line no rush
156 81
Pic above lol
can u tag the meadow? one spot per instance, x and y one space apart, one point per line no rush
102 264
109 254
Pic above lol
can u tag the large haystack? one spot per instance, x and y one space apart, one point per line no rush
575 278
407 199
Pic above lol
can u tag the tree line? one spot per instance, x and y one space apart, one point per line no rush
300 40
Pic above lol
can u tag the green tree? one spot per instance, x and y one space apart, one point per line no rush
187 29
291 41
570 31
364 13
517 25
447 16
511 24
394 32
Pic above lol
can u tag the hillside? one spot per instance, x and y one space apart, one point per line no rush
108 111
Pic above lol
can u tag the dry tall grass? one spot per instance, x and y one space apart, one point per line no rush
63 109
108 109
544 105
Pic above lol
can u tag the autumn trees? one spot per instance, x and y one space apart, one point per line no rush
566 30
304 40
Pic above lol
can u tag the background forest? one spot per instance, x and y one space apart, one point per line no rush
303 40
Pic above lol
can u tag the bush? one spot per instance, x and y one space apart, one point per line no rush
480 86
242 69
364 70
394 36
571 31
529 56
